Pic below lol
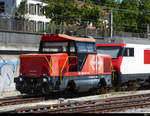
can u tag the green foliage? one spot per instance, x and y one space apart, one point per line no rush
72 11
128 15
144 14
21 10
61 11
99 2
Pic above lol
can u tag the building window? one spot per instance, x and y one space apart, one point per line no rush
32 9
39 12
129 52
13 1
40 26
32 26
2 4
46 25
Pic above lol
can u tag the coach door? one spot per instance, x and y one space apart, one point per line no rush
128 63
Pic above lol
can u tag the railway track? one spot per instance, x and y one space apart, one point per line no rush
19 100
91 106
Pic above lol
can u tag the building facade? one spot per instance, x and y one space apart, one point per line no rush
35 17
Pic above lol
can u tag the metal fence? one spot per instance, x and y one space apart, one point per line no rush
95 32
10 24
78 30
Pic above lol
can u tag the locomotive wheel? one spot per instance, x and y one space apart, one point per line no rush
103 90
71 88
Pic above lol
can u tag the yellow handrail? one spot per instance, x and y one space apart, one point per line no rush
50 65
113 71
64 66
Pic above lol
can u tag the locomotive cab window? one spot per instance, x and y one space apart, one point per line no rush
53 47
129 52
86 47
72 47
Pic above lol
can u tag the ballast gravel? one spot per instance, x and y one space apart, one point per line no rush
92 97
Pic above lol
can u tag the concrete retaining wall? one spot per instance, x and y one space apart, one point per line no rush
9 64
19 41
19 37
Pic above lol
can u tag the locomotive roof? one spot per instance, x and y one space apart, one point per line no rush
62 37
125 40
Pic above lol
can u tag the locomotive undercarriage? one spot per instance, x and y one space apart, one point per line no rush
36 85
49 85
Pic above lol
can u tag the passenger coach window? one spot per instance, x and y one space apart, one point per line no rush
129 52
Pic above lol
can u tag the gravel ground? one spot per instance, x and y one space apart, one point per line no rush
102 96
10 93
139 110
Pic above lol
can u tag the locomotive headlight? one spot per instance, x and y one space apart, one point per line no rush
44 80
20 79
44 74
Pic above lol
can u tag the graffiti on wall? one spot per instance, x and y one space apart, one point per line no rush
8 70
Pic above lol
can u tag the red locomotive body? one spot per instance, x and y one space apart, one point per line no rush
63 63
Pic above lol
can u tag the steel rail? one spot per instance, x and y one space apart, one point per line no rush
98 105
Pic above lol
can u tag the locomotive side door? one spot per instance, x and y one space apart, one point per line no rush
72 56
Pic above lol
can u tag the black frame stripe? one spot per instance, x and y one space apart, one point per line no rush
15 52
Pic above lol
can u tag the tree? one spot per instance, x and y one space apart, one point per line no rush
61 11
144 15
22 10
125 14
72 11
92 14
99 2
129 14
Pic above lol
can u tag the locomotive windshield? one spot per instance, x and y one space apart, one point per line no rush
67 47
113 51
53 47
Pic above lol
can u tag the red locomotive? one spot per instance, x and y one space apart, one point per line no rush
64 63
